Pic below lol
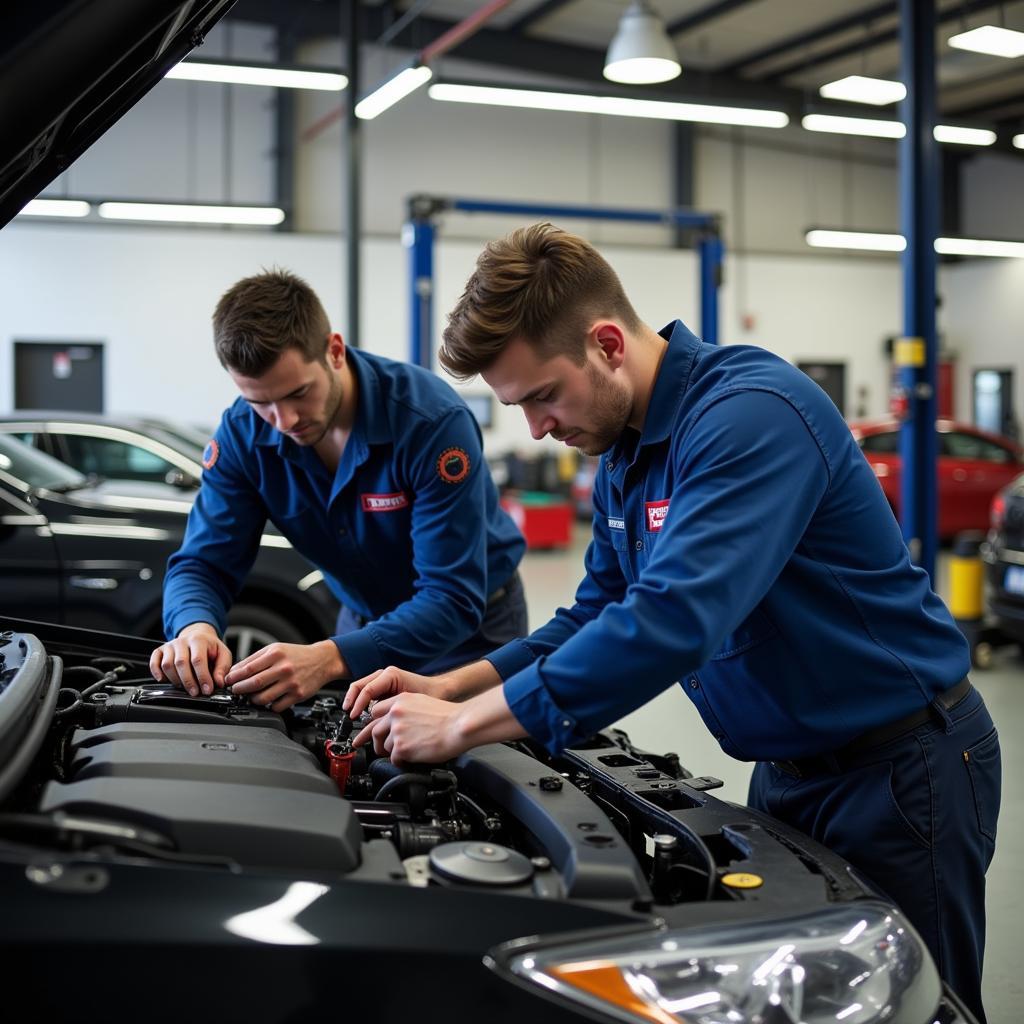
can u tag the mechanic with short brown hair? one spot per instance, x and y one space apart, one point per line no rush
374 471
743 547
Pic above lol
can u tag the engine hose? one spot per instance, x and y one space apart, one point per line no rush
101 683
89 670
406 779
76 702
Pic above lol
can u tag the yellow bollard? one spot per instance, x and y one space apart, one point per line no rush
967 578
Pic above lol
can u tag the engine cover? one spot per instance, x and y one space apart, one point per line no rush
250 794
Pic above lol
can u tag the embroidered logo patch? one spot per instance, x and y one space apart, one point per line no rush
453 465
656 512
384 502
210 455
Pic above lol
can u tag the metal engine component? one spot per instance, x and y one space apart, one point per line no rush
479 863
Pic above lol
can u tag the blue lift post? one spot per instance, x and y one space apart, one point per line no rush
916 353
420 231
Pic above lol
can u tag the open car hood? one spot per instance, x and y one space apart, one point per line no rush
69 70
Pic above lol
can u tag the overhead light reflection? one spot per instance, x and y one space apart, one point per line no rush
275 923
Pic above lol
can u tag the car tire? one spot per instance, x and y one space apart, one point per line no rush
251 627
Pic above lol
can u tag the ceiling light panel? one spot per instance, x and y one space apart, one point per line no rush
620 106
280 78
180 213
860 89
990 39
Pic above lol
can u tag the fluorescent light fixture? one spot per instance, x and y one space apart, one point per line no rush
619 106
181 213
978 247
1018 141
55 208
393 90
963 136
239 74
859 89
990 39
869 240
842 125
890 242
641 52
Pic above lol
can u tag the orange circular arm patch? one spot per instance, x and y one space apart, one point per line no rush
453 465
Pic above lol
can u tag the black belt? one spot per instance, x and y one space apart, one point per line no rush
846 756
503 591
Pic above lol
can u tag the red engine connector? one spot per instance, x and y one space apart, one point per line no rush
339 761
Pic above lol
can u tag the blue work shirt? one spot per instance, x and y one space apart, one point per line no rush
408 532
743 547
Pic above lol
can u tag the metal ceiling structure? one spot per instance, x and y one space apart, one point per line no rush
774 51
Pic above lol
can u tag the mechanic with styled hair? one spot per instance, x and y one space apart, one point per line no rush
741 546
373 470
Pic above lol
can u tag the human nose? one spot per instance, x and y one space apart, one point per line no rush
285 417
540 425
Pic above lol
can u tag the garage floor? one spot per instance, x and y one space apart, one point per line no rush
671 723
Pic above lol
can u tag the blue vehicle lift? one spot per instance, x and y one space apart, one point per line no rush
421 229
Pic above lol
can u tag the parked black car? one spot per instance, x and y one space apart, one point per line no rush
183 858
1003 554
94 555
115 448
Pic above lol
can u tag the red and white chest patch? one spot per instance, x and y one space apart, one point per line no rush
384 502
656 512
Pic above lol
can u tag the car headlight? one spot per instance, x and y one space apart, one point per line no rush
858 963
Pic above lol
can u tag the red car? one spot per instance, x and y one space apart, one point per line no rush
973 466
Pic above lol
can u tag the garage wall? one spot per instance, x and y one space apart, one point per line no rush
148 294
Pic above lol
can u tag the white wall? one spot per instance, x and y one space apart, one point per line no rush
148 295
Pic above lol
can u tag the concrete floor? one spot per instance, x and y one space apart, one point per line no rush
670 722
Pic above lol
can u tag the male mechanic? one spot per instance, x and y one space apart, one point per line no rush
742 546
373 470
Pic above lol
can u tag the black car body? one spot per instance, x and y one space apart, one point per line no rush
173 858
1003 553
95 556
115 448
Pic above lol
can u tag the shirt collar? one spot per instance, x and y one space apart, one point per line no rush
371 422
671 382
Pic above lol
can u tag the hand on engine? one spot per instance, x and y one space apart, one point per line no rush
196 659
387 682
280 675
414 728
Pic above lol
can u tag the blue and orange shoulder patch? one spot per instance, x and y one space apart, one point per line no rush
453 465
210 455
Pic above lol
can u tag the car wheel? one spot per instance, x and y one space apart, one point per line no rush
251 627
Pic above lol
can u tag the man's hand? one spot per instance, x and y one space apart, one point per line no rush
280 675
389 682
196 659
412 727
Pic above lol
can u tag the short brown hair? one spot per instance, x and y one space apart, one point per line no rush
261 316
539 283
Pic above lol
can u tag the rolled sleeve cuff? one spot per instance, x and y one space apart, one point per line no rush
512 658
534 709
361 651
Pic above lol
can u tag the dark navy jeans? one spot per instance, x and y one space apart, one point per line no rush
917 816
505 619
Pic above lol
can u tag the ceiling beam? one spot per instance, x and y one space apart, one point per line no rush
524 53
706 14
814 35
875 39
541 11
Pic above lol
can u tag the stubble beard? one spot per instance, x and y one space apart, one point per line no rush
612 406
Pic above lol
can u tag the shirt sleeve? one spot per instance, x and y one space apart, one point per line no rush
603 584
221 542
449 480
748 478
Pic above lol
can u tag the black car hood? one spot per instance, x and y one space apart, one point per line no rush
70 70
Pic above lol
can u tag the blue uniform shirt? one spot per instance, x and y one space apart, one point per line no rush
408 532
743 547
